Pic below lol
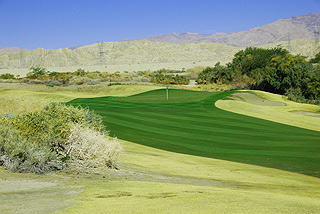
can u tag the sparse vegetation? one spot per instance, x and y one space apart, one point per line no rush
39 75
46 134
7 76
91 148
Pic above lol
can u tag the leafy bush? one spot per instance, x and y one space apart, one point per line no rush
38 141
286 72
36 72
87 147
54 122
252 59
80 72
7 76
19 154
169 79
114 83
218 74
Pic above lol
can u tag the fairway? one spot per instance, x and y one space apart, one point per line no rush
189 123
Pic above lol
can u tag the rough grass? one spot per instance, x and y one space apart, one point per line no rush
279 114
178 183
22 98
157 181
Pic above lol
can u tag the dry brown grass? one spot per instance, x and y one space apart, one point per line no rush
90 148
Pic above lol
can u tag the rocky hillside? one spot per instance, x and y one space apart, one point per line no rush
173 48
12 49
137 53
301 27
119 53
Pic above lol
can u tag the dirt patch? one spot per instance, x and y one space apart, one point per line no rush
256 100
29 193
307 113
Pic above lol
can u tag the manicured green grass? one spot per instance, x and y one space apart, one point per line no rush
190 123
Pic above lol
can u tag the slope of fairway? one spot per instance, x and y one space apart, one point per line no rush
276 113
190 123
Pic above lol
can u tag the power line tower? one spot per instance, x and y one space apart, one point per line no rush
101 60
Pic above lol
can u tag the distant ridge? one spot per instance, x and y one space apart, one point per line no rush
12 49
175 48
300 27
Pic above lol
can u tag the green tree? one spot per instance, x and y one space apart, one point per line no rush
7 76
218 74
37 71
288 72
316 58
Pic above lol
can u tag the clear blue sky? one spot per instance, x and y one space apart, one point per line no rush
54 24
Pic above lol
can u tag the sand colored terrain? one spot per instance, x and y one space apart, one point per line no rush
133 56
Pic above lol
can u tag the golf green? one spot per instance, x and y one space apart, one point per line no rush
188 122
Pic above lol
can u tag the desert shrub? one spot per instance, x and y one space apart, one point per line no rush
79 72
163 78
90 148
114 83
50 85
53 83
19 154
39 141
36 82
7 76
109 77
36 72
51 125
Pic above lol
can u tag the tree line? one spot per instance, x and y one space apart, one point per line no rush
273 70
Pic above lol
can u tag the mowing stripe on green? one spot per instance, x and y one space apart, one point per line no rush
190 123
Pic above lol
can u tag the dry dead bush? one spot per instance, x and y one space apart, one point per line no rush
90 148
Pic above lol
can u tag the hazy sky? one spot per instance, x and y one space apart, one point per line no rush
54 24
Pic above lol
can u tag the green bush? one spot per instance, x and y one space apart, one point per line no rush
80 72
7 76
38 141
163 78
284 73
218 74
36 72
19 154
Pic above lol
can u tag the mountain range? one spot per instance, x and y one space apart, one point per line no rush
300 27
173 49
